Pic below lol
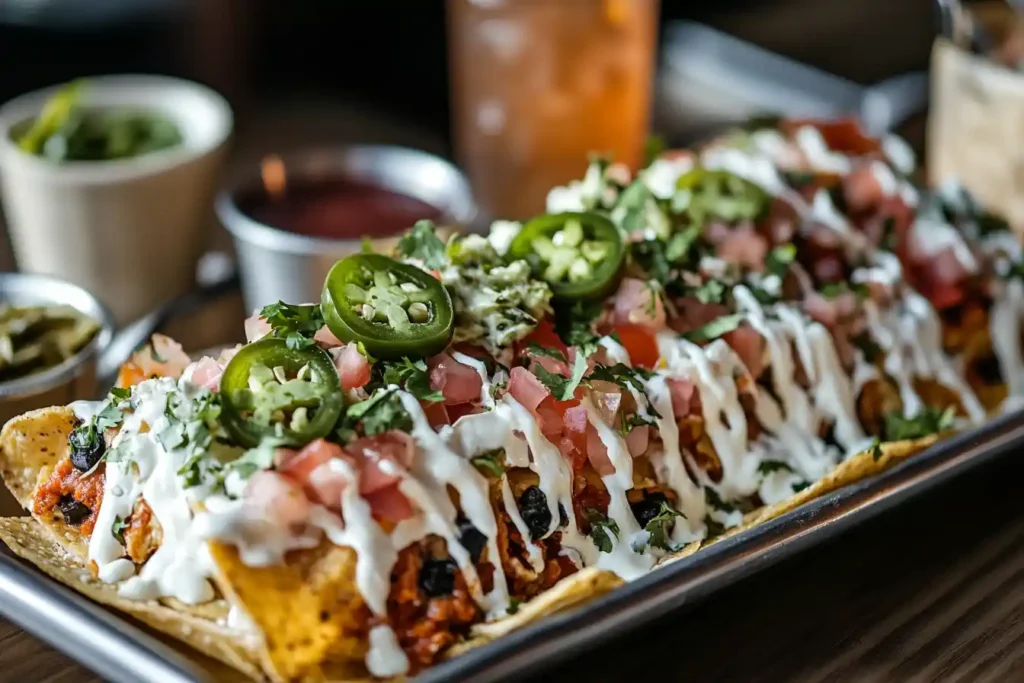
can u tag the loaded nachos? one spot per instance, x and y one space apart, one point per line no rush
464 436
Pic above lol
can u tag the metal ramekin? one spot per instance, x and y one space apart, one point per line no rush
277 265
75 378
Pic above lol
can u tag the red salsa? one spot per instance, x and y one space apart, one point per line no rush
338 208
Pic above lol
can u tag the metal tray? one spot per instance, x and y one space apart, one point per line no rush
120 651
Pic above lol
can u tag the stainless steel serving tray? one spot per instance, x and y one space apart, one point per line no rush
118 650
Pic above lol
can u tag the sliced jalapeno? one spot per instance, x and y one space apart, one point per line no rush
703 193
579 255
392 308
270 390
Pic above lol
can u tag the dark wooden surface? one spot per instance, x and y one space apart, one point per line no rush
931 591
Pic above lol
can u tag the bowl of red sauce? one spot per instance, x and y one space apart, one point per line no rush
299 213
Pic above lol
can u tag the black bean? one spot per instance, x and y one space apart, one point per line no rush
74 512
533 506
648 508
987 368
471 539
87 447
437 577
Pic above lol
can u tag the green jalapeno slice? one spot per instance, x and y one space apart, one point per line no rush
270 390
579 255
702 193
394 309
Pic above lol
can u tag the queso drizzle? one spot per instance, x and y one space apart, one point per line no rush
772 433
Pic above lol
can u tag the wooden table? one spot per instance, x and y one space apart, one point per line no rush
931 591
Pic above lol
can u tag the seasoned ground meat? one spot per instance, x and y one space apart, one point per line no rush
426 626
67 483
143 534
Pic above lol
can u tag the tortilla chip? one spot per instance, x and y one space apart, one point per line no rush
572 591
851 470
29 540
308 610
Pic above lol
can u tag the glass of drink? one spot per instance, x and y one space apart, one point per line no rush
538 85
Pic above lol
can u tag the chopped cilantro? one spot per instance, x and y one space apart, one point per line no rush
769 466
715 329
930 421
513 606
574 323
491 462
799 486
628 422
835 289
876 449
780 258
660 527
714 500
421 242
117 529
380 413
602 529
679 245
296 324
710 292
254 459
538 350
121 394
563 388
413 375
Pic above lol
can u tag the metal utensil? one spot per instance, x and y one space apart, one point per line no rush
283 266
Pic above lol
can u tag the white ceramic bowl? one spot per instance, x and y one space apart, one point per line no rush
129 230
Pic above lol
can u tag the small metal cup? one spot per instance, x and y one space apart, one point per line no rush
73 379
277 265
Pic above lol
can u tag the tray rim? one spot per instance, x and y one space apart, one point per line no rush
115 648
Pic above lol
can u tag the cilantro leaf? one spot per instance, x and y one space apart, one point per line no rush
513 606
413 375
876 449
780 258
710 292
660 527
602 529
118 527
538 350
296 324
715 329
930 421
121 394
421 242
574 324
800 486
380 413
769 466
563 388
628 422
491 462
653 148
712 498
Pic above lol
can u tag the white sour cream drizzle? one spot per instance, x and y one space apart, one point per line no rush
180 567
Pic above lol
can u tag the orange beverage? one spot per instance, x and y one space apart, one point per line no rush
537 85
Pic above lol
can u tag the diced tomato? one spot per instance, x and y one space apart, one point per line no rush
461 410
693 314
544 336
640 343
636 303
683 393
638 439
744 247
326 339
394 446
279 496
300 464
749 345
841 135
161 357
458 382
526 389
437 414
206 373
256 327
353 367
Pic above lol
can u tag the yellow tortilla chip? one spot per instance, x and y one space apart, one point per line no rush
851 470
307 609
27 539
